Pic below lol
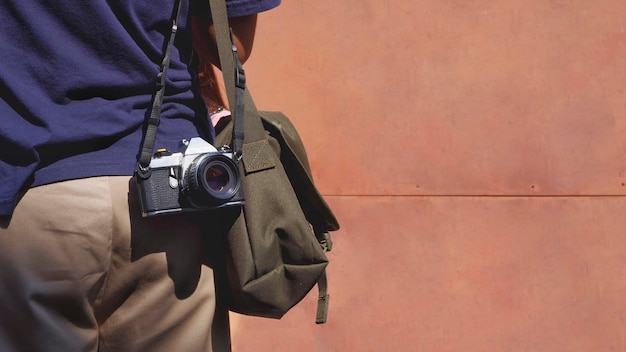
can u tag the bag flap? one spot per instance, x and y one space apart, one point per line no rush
294 159
296 163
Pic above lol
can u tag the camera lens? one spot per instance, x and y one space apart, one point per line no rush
215 177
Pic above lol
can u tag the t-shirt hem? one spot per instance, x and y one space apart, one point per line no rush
82 170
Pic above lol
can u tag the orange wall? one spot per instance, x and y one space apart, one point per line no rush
474 154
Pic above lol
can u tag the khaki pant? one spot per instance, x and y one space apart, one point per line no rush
81 270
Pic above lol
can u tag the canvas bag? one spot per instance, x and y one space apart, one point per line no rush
272 252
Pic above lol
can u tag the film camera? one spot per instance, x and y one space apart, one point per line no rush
202 177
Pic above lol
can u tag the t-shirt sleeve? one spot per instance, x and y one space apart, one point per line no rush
235 8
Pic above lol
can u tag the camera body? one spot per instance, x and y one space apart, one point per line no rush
202 177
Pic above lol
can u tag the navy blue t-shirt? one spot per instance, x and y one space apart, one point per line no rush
77 80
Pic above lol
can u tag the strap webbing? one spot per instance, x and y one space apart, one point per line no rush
234 80
152 122
322 300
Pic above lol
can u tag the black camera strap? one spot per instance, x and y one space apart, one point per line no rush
147 145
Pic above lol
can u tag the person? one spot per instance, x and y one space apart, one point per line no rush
82 269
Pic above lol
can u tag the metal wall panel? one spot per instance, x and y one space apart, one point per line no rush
468 274
474 153
451 97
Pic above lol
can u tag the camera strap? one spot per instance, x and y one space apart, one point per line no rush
147 145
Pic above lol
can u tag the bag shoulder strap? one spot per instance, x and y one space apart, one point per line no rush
239 98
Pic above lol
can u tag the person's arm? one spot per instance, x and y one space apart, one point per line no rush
211 82
204 42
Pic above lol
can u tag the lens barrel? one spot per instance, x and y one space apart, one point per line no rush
213 178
